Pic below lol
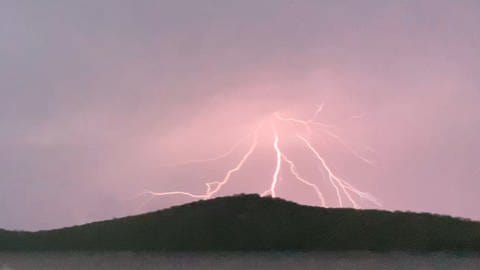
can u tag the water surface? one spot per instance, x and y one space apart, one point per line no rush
241 261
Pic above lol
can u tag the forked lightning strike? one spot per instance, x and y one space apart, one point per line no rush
343 189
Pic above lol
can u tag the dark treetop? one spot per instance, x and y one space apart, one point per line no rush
250 222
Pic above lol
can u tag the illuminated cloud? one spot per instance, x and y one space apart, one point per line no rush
96 97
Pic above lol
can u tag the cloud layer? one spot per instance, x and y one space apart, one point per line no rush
96 95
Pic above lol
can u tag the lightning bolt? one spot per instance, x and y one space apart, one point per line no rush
337 181
343 189
325 128
214 186
293 170
218 185
278 164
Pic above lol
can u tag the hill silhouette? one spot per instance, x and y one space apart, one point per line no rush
251 222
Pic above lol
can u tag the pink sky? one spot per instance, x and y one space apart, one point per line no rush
96 96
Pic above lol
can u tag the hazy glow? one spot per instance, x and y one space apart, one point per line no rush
193 161
337 183
100 100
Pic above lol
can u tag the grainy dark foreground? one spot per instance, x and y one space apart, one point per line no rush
253 223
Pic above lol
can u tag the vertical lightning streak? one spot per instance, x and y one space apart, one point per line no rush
294 172
278 163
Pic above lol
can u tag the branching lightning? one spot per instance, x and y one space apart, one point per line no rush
214 186
293 170
344 191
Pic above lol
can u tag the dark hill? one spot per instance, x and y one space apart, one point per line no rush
249 222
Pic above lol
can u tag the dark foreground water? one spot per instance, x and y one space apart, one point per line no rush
243 261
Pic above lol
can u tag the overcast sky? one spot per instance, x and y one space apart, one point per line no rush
96 95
